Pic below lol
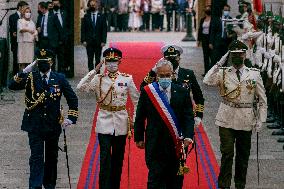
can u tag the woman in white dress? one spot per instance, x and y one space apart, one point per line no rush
135 19
27 34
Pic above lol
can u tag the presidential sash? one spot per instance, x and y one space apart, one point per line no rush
167 114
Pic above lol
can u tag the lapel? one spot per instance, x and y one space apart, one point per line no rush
38 83
232 74
245 73
174 95
52 79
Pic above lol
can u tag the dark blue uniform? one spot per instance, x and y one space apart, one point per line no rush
41 121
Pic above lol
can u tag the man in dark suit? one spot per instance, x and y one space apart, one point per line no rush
219 38
171 6
62 17
43 119
93 33
13 22
183 77
49 30
162 146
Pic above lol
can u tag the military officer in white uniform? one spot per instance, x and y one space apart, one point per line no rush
111 91
239 87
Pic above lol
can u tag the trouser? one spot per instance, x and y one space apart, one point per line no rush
206 53
93 50
156 21
163 175
60 51
15 61
122 22
169 20
111 160
146 20
43 159
228 138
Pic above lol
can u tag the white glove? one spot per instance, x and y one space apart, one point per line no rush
258 126
29 68
223 59
67 122
197 121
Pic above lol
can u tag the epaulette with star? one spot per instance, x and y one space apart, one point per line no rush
254 69
125 74
149 79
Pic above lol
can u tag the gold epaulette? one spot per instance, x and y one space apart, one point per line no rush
125 74
199 108
74 113
17 79
149 79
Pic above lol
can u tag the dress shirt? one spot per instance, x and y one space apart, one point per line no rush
96 16
176 73
19 14
167 91
47 75
44 29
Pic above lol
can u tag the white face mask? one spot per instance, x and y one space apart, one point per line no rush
112 66
28 15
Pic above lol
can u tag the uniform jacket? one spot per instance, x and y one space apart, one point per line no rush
54 29
44 116
251 86
111 122
89 32
158 141
187 79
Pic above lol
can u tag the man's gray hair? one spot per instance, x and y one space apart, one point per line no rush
161 63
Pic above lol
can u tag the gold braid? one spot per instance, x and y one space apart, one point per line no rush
100 101
223 89
35 101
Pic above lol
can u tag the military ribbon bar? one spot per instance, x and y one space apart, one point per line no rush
166 112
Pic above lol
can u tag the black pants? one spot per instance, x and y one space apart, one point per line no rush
43 169
146 21
122 22
228 138
156 17
170 20
15 61
93 50
206 53
60 52
111 160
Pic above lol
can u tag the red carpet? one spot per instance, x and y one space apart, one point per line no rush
138 59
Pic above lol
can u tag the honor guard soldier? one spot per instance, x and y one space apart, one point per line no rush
43 119
240 88
181 76
111 91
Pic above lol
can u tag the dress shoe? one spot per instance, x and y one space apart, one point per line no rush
279 132
39 187
280 140
274 126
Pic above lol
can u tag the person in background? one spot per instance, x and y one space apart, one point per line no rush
123 15
180 15
93 33
156 10
50 6
171 6
203 38
13 21
26 37
145 9
135 19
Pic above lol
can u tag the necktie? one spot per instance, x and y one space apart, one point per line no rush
238 75
59 17
164 92
94 19
42 25
44 80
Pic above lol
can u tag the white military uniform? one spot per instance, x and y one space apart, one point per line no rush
111 94
236 108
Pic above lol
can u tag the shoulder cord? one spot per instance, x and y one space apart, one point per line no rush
109 90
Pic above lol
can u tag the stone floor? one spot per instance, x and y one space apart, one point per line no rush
14 151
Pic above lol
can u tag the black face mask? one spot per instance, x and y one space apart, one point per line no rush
39 12
174 62
56 7
208 12
237 60
43 66
93 9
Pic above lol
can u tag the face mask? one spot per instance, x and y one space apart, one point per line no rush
208 12
165 82
237 60
43 66
93 9
28 15
226 13
56 7
39 12
174 62
112 66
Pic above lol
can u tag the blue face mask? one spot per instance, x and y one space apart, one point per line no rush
165 82
226 13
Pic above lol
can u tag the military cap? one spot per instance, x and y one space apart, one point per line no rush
112 54
237 46
171 51
44 54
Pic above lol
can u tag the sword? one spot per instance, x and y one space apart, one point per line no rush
129 135
196 159
257 159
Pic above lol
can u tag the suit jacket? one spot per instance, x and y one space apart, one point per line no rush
158 141
97 33
13 21
216 33
200 28
65 27
45 114
186 79
54 29
251 86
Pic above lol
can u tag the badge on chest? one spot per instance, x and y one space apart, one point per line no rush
122 84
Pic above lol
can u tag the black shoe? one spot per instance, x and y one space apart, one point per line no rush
279 132
35 187
274 126
280 140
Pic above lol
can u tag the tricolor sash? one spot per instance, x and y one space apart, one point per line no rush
167 114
